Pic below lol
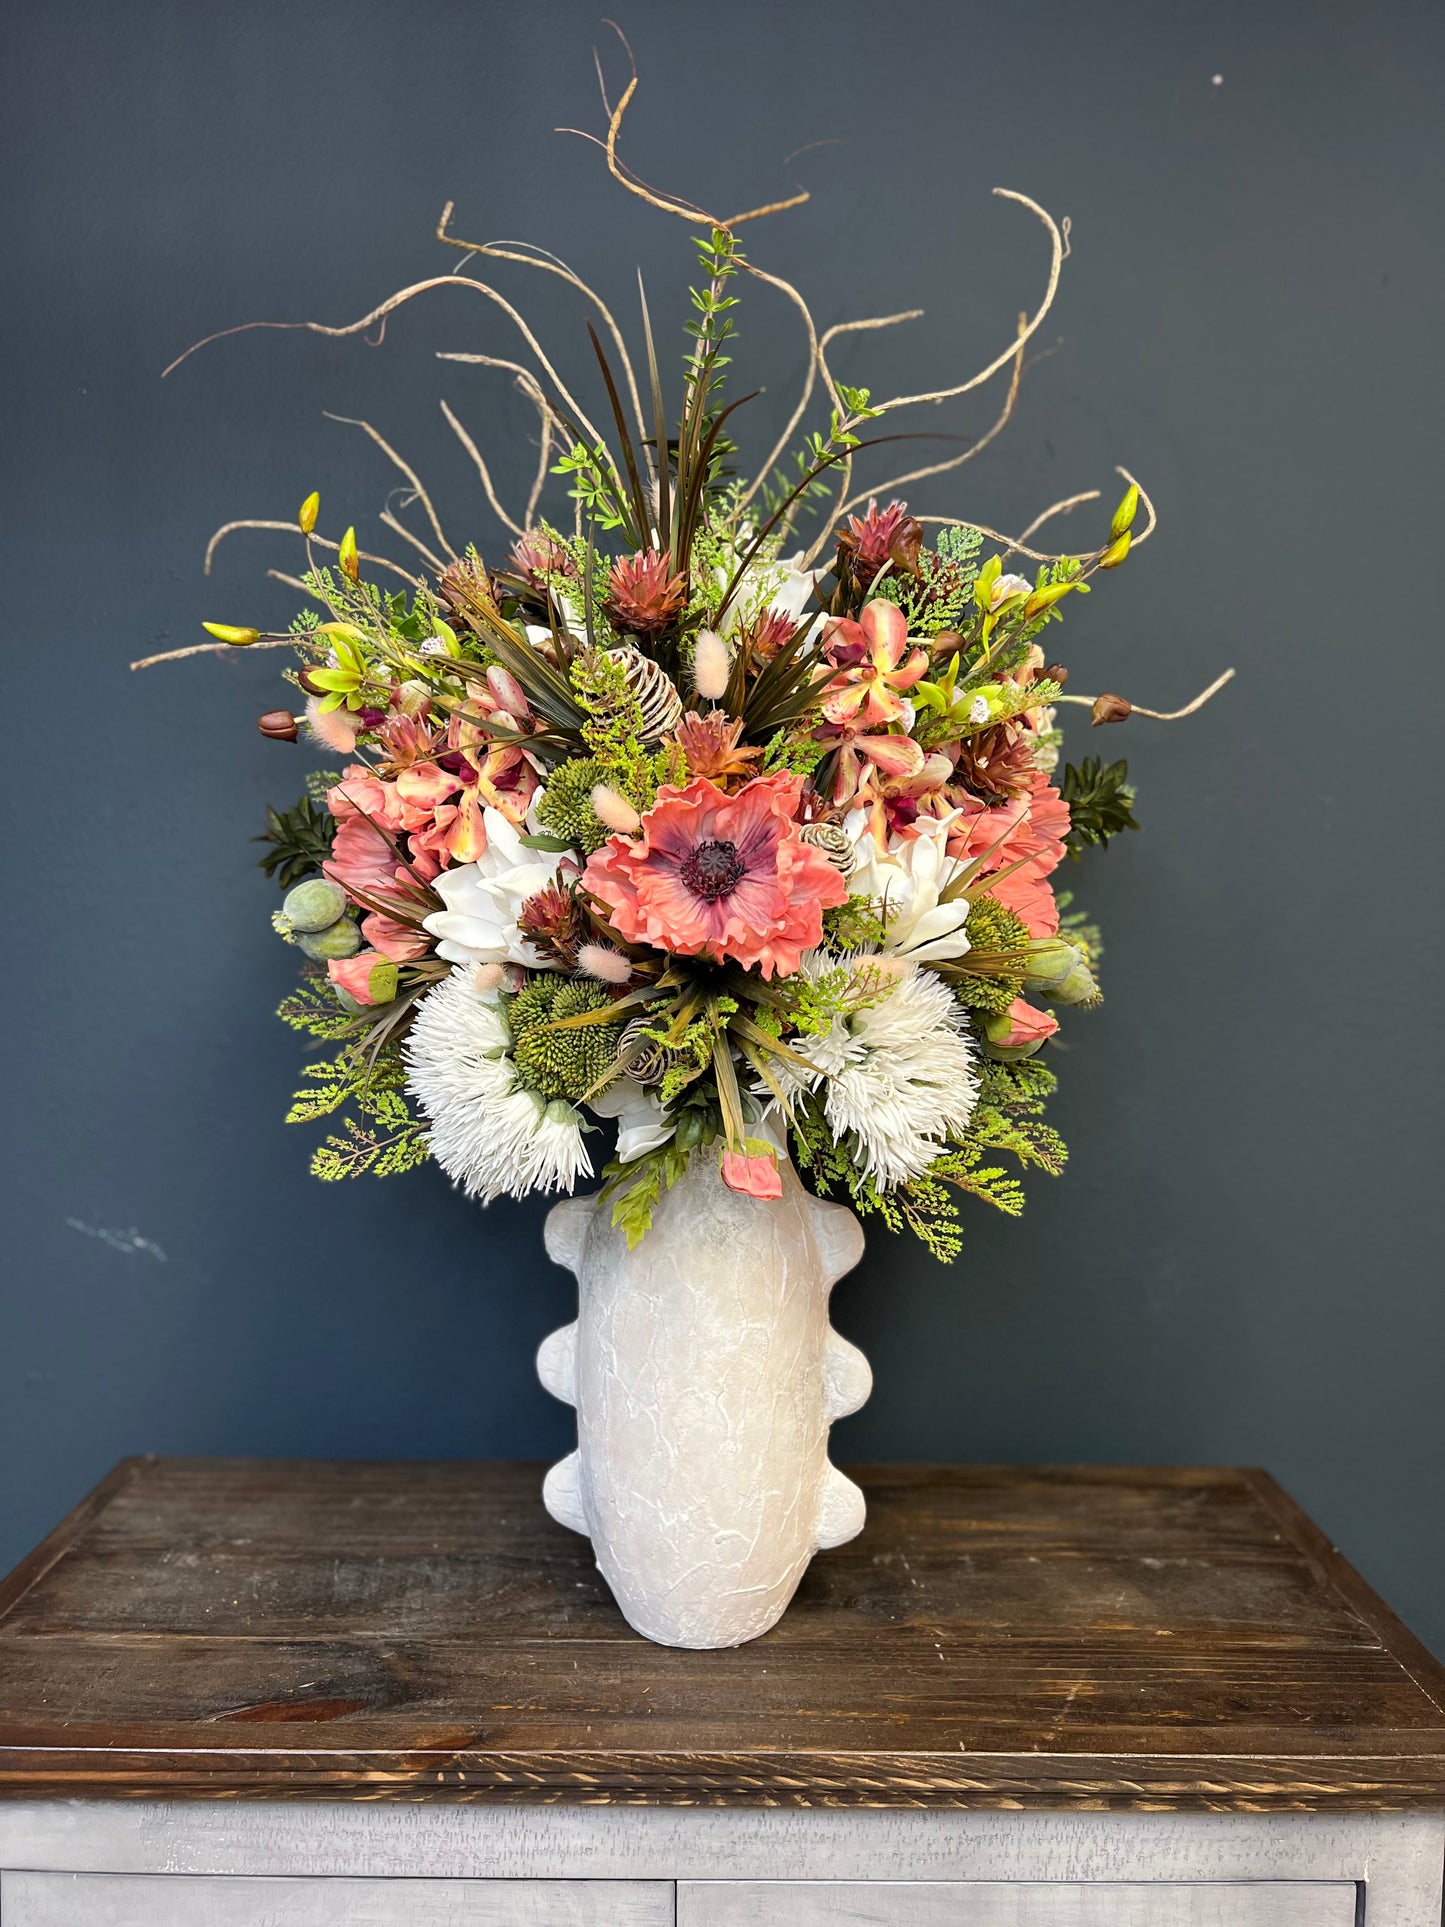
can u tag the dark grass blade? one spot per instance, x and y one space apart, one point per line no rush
659 419
629 453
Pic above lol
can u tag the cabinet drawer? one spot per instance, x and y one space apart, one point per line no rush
948 1903
189 1900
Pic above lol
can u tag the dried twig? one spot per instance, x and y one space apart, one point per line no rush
476 454
550 263
528 384
432 561
954 461
214 649
1001 361
290 528
418 492
398 300
1161 715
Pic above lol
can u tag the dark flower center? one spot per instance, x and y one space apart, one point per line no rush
714 869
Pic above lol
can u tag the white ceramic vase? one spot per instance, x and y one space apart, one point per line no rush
705 1376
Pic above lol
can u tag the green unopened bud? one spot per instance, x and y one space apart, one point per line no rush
1077 988
226 632
1046 597
1050 962
1124 515
998 1029
1116 551
314 905
340 939
307 513
347 557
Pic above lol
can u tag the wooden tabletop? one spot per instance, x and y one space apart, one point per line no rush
997 1637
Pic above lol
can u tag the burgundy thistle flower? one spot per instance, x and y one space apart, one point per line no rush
551 921
642 598
871 540
773 630
538 556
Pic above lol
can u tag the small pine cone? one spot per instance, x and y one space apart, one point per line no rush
656 695
649 1062
835 843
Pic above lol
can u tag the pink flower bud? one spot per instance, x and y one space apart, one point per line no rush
488 977
711 667
607 965
754 1177
615 811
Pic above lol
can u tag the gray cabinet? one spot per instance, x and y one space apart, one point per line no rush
186 1900
916 1903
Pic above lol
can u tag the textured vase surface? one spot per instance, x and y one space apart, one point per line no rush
705 1376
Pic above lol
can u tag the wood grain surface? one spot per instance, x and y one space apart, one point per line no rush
997 1637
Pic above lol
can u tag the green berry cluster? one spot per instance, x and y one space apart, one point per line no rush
560 1063
992 930
566 806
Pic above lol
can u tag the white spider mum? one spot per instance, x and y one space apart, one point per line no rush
491 1135
901 1075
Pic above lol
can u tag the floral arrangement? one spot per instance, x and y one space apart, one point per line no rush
729 810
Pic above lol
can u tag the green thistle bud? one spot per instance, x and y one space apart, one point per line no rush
314 905
340 939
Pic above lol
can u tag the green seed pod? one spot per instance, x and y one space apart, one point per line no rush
1077 988
341 939
314 905
1051 962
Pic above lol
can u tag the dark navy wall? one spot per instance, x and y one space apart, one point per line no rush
1242 1262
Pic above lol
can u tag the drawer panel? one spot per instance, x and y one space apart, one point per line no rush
190 1900
947 1903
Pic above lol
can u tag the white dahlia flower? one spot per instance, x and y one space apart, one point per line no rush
901 1078
906 881
488 1133
483 899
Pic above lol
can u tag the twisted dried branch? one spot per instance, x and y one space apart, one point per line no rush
418 492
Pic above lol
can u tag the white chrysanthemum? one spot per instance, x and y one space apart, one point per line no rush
900 1076
483 899
488 1133
906 881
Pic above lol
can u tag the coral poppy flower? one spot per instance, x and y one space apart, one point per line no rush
874 667
720 876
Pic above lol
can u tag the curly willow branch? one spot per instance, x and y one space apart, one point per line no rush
476 454
399 299
549 263
405 468
1162 715
290 528
955 461
528 384
985 374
